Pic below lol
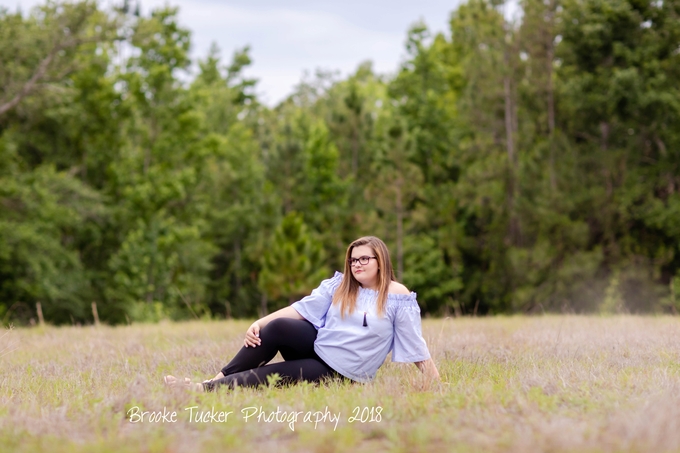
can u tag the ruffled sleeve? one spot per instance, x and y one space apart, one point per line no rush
408 344
315 306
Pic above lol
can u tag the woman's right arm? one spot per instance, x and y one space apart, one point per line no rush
253 332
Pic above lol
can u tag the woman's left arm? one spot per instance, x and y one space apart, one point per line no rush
408 335
428 368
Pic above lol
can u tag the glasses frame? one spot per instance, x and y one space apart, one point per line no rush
353 261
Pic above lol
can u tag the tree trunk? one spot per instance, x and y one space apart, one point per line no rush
263 305
551 116
400 229
510 147
237 268
355 149
550 45
604 136
604 145
152 264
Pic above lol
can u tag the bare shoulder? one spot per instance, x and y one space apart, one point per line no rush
398 288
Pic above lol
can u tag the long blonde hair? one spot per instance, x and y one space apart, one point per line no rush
346 294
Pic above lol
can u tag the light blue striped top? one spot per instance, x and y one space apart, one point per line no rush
356 351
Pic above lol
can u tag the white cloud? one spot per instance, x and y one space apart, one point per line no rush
291 37
284 43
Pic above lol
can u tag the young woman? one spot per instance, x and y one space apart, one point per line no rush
345 328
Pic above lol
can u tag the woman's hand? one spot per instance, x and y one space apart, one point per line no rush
253 332
428 368
252 335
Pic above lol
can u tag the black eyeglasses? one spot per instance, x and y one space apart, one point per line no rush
363 260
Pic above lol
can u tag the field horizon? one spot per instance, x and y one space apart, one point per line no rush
510 383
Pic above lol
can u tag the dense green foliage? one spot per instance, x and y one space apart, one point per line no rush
509 166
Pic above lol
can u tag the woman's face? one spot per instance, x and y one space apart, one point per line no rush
366 274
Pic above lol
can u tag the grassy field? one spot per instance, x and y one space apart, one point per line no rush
551 383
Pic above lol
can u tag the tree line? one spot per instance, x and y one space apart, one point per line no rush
511 166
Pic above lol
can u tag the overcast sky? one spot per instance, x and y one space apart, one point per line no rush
290 37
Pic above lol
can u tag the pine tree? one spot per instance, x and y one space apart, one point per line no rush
293 264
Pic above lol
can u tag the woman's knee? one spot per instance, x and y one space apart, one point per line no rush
282 327
276 328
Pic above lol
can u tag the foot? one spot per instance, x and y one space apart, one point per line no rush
208 385
172 381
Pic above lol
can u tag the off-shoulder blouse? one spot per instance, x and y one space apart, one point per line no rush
354 348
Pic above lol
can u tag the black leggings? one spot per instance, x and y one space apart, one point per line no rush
294 338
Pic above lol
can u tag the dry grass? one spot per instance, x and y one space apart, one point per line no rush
553 383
